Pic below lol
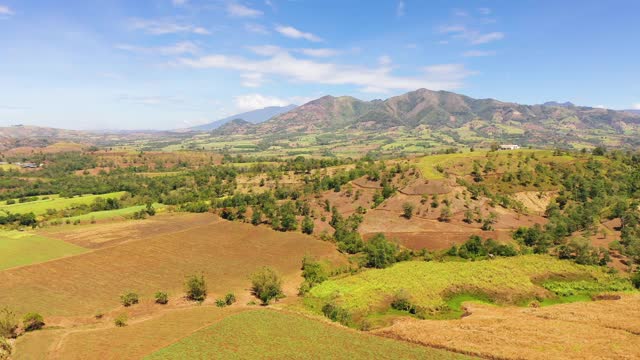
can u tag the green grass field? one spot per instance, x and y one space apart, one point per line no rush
432 285
21 248
267 334
40 207
113 214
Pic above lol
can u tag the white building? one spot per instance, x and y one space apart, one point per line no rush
509 147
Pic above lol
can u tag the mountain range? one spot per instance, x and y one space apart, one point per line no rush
253 117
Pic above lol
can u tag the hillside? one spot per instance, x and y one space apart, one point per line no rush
235 126
254 117
461 117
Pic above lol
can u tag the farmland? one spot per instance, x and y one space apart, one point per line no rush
54 202
19 249
263 334
430 285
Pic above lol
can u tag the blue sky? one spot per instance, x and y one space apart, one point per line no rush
166 64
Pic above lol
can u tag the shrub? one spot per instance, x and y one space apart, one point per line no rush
635 279
196 288
129 299
32 321
230 299
5 349
266 285
402 302
407 210
121 320
307 225
336 313
8 323
220 303
380 252
161 297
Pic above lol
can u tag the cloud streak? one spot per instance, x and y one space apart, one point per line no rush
180 48
472 36
293 33
239 10
281 63
478 53
164 27
6 11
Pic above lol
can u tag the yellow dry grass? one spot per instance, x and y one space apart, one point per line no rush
602 329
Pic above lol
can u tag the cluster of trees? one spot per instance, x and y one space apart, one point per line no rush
10 328
475 248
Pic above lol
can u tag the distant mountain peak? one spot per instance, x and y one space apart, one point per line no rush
253 117
566 104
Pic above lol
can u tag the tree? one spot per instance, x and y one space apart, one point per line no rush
196 288
161 298
32 321
129 299
407 210
266 285
307 225
468 216
380 252
445 214
256 217
121 320
230 299
8 323
5 349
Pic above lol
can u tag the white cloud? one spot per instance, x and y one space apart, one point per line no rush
322 52
400 8
180 48
473 36
150 100
282 63
411 46
256 28
6 11
252 80
636 106
266 50
163 27
384 60
600 107
294 33
478 53
484 11
257 101
270 4
239 10
179 2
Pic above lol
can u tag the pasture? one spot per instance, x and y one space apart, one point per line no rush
265 334
22 248
40 207
431 285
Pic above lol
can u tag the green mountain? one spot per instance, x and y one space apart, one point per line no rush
463 118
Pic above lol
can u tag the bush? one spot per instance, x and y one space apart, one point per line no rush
161 297
5 349
230 299
635 279
196 288
32 321
380 252
307 225
8 323
129 299
402 302
407 210
336 313
121 320
220 303
266 285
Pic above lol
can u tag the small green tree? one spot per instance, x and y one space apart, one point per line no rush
121 320
266 285
161 297
445 214
5 349
230 299
380 252
196 288
407 210
129 299
307 225
635 279
8 323
32 321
